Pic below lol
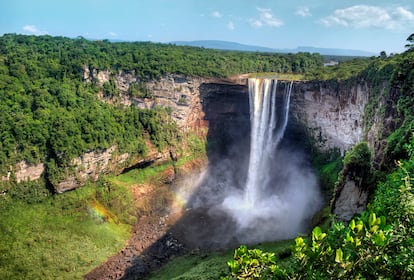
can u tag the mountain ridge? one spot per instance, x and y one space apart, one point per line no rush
228 45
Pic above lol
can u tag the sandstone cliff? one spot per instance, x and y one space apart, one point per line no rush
331 113
181 94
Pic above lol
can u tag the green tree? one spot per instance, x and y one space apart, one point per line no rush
410 40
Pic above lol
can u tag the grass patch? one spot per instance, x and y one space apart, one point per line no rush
62 237
209 266
194 266
139 176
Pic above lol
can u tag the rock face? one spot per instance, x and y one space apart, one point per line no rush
352 199
24 171
30 172
91 165
180 93
331 113
226 110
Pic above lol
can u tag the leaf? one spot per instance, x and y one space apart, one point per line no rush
339 255
300 243
234 266
317 234
380 238
374 229
357 242
359 226
372 219
352 224
349 238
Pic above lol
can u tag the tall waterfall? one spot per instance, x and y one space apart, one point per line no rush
281 192
267 129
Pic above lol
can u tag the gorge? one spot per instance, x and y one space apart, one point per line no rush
216 215
101 142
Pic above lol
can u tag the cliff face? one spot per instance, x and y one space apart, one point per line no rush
212 108
331 113
178 92
181 94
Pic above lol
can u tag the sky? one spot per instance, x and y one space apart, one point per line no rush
373 26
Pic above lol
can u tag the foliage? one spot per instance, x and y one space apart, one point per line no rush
254 264
410 40
358 251
139 90
328 166
195 266
357 166
391 99
148 60
118 199
56 237
358 159
394 198
345 70
212 265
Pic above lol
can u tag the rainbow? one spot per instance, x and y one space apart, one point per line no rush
96 209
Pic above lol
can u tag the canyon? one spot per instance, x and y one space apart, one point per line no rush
326 116
329 115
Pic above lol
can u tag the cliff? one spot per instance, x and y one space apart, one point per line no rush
180 94
331 114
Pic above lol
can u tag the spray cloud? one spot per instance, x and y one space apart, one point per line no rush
279 193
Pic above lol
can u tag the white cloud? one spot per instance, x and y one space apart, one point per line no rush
216 14
255 22
230 25
403 14
32 29
266 18
112 34
303 12
363 16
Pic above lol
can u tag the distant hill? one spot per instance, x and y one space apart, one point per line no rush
225 45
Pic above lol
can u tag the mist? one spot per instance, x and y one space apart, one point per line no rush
285 206
266 191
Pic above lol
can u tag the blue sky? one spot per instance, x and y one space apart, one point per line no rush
365 25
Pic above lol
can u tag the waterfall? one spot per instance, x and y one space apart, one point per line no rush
281 192
267 129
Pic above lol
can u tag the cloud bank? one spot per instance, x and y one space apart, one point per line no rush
303 12
32 29
364 16
265 18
